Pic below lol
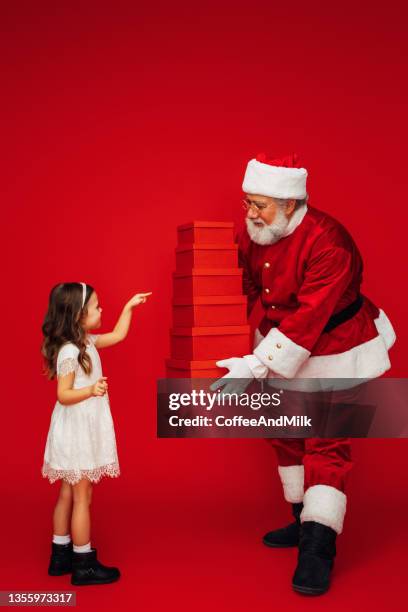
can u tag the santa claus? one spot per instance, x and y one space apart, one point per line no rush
307 270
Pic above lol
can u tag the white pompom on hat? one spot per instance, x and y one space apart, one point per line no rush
278 178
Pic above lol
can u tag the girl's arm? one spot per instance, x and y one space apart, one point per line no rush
121 328
67 395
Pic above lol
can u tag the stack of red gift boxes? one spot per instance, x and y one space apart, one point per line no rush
209 308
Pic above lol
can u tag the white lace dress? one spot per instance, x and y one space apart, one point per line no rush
81 439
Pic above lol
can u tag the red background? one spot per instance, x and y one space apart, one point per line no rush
121 121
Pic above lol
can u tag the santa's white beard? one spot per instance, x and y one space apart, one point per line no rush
267 234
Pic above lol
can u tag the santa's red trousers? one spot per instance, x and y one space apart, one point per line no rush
326 461
314 470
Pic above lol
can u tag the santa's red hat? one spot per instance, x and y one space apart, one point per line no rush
277 178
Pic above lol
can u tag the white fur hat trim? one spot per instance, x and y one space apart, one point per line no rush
274 181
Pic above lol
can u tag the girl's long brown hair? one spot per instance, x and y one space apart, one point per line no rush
62 323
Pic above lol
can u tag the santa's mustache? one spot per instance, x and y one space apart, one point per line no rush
257 222
264 233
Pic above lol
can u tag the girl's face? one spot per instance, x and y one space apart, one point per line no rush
93 318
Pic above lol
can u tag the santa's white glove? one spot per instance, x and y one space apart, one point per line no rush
243 370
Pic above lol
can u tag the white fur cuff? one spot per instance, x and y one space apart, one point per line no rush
280 354
292 478
325 505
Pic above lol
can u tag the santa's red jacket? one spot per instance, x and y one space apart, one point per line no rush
309 275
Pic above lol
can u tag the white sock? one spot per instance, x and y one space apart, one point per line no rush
58 539
83 549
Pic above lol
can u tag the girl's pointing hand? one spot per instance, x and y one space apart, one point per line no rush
139 298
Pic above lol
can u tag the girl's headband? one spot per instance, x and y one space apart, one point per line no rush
83 293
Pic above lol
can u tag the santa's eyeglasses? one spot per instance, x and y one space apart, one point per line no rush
248 205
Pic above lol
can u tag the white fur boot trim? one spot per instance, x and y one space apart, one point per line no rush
292 477
325 505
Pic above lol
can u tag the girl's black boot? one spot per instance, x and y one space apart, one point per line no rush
86 569
288 536
61 559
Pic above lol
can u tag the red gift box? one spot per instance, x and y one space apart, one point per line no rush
199 232
210 281
181 368
210 310
209 255
203 343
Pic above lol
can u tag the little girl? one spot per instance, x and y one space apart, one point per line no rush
81 444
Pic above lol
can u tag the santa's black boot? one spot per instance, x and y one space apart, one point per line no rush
317 549
61 559
288 536
86 569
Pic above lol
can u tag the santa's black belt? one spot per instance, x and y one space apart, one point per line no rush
340 317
